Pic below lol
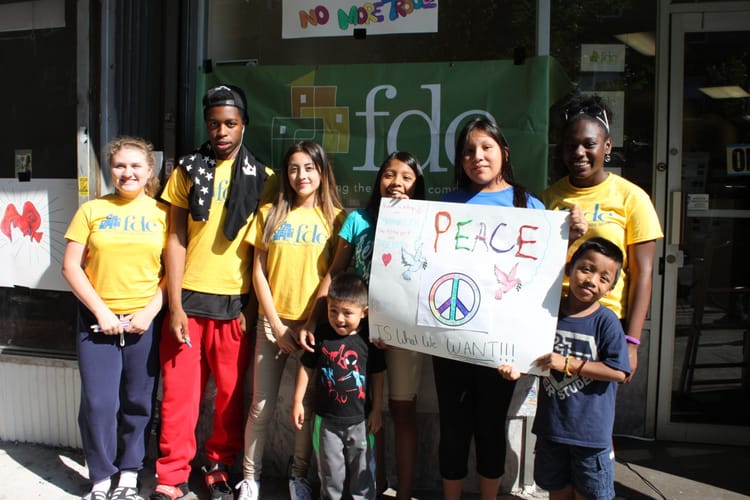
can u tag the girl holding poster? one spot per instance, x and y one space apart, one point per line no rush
618 210
113 263
294 240
473 400
400 176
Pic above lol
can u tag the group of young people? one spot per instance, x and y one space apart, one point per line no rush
232 246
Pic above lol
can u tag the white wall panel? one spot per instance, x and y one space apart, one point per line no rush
39 400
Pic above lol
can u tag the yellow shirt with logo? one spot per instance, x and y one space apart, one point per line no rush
299 255
617 210
213 263
124 240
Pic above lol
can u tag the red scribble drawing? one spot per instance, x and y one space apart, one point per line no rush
507 281
386 258
27 222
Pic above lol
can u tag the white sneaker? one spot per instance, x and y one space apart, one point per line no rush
248 489
299 488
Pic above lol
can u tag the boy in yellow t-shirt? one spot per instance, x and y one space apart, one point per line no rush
213 196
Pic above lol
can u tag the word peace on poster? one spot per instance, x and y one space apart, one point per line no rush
480 285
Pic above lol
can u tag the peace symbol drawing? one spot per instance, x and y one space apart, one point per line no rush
454 299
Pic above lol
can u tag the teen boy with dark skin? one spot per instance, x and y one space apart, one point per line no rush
213 195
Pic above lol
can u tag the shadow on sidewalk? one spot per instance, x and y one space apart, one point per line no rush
56 470
654 466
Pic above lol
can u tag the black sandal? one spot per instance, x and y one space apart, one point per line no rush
217 482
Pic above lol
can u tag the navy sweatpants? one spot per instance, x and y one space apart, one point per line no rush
117 391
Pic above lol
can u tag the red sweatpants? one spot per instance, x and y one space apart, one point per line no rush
219 348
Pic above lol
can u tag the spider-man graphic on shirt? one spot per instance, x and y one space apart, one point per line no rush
340 373
343 365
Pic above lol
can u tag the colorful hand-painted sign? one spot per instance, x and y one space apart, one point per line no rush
477 285
315 18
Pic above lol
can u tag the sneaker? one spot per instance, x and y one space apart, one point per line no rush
217 482
249 489
125 493
179 492
95 495
299 488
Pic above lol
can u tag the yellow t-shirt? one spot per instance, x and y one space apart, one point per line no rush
299 255
617 210
214 264
124 240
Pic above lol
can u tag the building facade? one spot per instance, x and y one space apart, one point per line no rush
676 74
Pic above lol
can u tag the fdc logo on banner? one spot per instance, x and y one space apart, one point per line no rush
432 120
362 113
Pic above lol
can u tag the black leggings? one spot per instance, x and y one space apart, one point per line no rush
473 402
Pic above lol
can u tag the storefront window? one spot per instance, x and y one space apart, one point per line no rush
39 126
608 48
37 321
467 30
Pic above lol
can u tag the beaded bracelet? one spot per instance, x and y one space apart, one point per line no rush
632 340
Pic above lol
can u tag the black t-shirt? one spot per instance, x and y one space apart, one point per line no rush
342 369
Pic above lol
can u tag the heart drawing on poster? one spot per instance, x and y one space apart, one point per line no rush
27 221
387 258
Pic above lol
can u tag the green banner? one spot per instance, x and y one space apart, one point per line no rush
360 113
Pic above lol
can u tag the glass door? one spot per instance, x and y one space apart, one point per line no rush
704 382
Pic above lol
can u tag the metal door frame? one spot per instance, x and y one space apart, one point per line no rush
677 20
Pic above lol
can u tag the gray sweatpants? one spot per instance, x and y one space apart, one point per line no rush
345 453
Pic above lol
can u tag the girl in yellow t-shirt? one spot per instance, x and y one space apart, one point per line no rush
615 209
294 240
400 176
112 263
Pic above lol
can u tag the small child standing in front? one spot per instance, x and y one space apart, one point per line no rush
576 408
343 360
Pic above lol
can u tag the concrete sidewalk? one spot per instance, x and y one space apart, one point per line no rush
645 469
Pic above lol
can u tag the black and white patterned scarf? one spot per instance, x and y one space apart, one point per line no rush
248 177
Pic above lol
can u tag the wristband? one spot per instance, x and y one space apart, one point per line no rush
567 367
632 340
578 372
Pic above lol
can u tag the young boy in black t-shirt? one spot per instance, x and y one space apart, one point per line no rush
343 361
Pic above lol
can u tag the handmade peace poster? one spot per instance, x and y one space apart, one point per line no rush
474 283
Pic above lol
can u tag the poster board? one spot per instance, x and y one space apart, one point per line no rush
35 216
479 284
313 18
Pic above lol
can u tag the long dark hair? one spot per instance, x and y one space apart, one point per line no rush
326 197
489 127
373 205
